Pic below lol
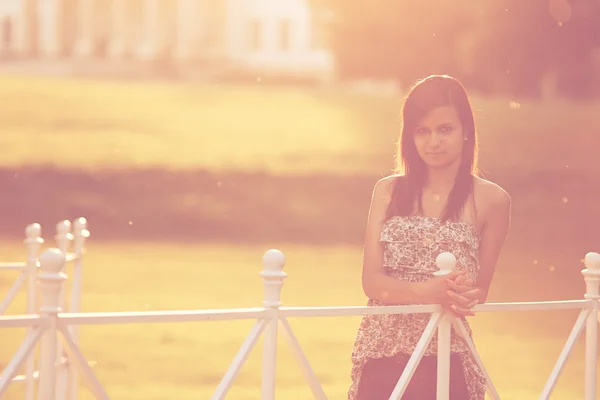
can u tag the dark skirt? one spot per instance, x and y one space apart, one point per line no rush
380 376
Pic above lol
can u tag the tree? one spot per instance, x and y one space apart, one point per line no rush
495 46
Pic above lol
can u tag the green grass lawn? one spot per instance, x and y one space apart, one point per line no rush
187 360
86 124
179 126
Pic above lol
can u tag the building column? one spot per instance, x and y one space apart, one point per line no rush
235 29
188 30
25 29
117 47
52 42
148 48
84 46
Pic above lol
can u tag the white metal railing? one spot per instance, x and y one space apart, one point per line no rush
52 326
66 233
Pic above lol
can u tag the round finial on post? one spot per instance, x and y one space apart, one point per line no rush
32 237
33 241
273 262
51 278
80 223
592 261
51 261
33 231
63 227
80 234
591 275
80 228
446 262
63 235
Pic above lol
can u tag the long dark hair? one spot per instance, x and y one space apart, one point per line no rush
426 95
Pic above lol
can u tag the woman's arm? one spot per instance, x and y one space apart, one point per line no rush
493 236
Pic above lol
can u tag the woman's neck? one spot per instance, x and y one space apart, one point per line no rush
441 180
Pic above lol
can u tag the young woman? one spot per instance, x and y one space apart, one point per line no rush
434 203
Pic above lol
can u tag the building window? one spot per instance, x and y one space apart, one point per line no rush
285 37
7 33
255 35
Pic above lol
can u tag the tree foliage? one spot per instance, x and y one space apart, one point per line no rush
516 47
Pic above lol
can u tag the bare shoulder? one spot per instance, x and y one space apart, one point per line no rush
384 187
491 198
490 193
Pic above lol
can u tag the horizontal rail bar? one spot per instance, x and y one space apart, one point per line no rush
131 317
98 318
357 310
36 374
430 308
23 378
71 257
12 266
23 321
534 306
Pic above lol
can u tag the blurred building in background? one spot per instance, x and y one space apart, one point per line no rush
277 37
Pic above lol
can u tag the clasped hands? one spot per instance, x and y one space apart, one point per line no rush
463 295
456 292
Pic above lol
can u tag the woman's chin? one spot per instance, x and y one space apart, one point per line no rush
439 162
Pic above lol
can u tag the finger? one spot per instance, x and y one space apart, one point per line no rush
458 299
471 294
462 300
452 285
462 308
462 311
458 311
458 276
454 274
462 289
457 287
469 304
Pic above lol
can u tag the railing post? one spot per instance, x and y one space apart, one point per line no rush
80 234
445 262
591 274
33 242
51 281
273 276
63 239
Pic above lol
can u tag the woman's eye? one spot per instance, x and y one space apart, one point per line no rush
446 129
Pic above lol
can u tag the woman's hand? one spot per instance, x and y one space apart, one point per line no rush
462 294
435 290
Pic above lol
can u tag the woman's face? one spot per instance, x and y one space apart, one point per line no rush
439 137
